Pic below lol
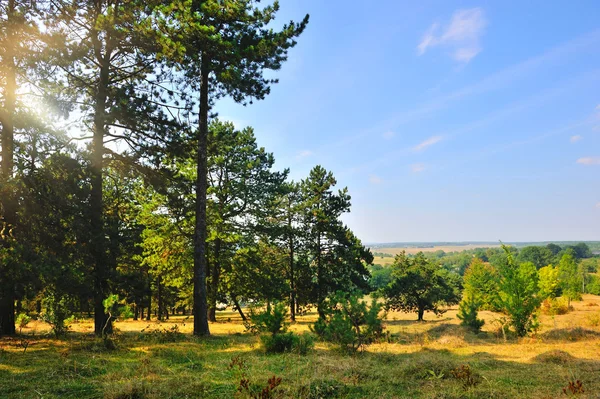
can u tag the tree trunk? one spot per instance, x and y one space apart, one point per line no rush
238 307
98 246
7 288
213 289
200 303
421 312
160 299
292 277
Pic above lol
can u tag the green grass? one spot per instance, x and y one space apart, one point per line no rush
419 362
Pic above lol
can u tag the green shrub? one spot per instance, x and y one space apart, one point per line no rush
272 320
56 311
467 313
349 322
275 338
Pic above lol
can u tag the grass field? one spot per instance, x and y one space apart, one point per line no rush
417 362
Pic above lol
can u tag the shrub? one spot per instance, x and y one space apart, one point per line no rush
56 311
467 313
22 321
272 320
163 335
518 293
555 306
275 338
349 322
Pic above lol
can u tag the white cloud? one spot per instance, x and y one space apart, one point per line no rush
589 161
388 135
462 35
429 142
576 138
375 179
304 154
417 167
598 205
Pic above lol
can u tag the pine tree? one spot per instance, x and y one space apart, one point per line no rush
226 48
106 51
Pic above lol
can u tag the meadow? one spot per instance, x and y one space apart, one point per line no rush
434 359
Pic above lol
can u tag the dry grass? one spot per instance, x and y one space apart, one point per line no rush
445 248
418 361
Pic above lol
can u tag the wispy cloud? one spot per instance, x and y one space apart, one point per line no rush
598 205
417 167
375 179
576 138
589 161
304 154
462 34
427 143
388 135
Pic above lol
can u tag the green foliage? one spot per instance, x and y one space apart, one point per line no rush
56 309
419 285
571 277
288 342
271 321
518 293
480 283
349 322
539 256
549 282
467 313
380 277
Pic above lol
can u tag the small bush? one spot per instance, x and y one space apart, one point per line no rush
22 321
465 375
163 335
555 306
349 322
56 312
272 320
288 342
467 313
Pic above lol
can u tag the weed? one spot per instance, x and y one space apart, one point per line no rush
466 376
574 388
269 391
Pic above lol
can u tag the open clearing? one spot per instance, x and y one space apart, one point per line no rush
445 248
417 362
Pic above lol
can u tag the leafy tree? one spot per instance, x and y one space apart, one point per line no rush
481 284
539 256
518 293
571 278
549 283
222 49
554 248
420 285
380 277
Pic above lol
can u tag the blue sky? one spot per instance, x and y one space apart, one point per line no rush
446 120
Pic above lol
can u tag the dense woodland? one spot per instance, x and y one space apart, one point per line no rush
123 195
